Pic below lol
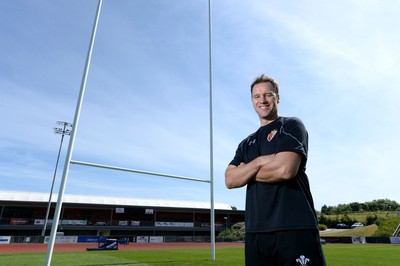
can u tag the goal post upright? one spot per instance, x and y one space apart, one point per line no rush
212 211
57 212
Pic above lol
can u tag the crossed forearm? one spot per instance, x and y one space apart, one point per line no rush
267 168
239 176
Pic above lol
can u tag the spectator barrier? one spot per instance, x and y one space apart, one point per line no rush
159 239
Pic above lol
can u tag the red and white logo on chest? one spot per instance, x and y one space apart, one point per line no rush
272 134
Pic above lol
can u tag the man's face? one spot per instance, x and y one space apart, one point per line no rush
265 102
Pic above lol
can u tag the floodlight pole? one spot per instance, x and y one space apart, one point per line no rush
63 131
212 212
72 141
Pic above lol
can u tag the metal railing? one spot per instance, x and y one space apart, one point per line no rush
397 231
170 239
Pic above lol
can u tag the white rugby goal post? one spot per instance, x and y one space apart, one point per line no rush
69 161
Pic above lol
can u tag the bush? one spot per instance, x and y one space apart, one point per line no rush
322 227
371 219
386 225
234 233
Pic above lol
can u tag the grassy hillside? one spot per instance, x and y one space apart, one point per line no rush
384 224
369 230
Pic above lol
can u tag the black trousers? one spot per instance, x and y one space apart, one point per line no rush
284 248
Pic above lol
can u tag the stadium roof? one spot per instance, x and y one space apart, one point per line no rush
19 196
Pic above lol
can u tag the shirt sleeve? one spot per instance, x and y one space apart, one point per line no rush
294 137
239 155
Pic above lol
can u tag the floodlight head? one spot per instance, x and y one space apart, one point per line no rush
62 131
64 123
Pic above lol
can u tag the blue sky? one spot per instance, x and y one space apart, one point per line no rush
146 100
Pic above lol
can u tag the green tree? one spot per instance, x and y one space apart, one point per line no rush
355 206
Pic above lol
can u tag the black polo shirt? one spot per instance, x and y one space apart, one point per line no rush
285 205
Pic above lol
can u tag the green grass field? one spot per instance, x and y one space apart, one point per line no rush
335 254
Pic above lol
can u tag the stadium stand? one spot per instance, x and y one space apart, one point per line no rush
22 214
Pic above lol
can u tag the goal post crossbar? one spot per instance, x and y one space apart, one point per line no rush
138 171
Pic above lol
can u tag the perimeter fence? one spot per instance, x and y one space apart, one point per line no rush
131 239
